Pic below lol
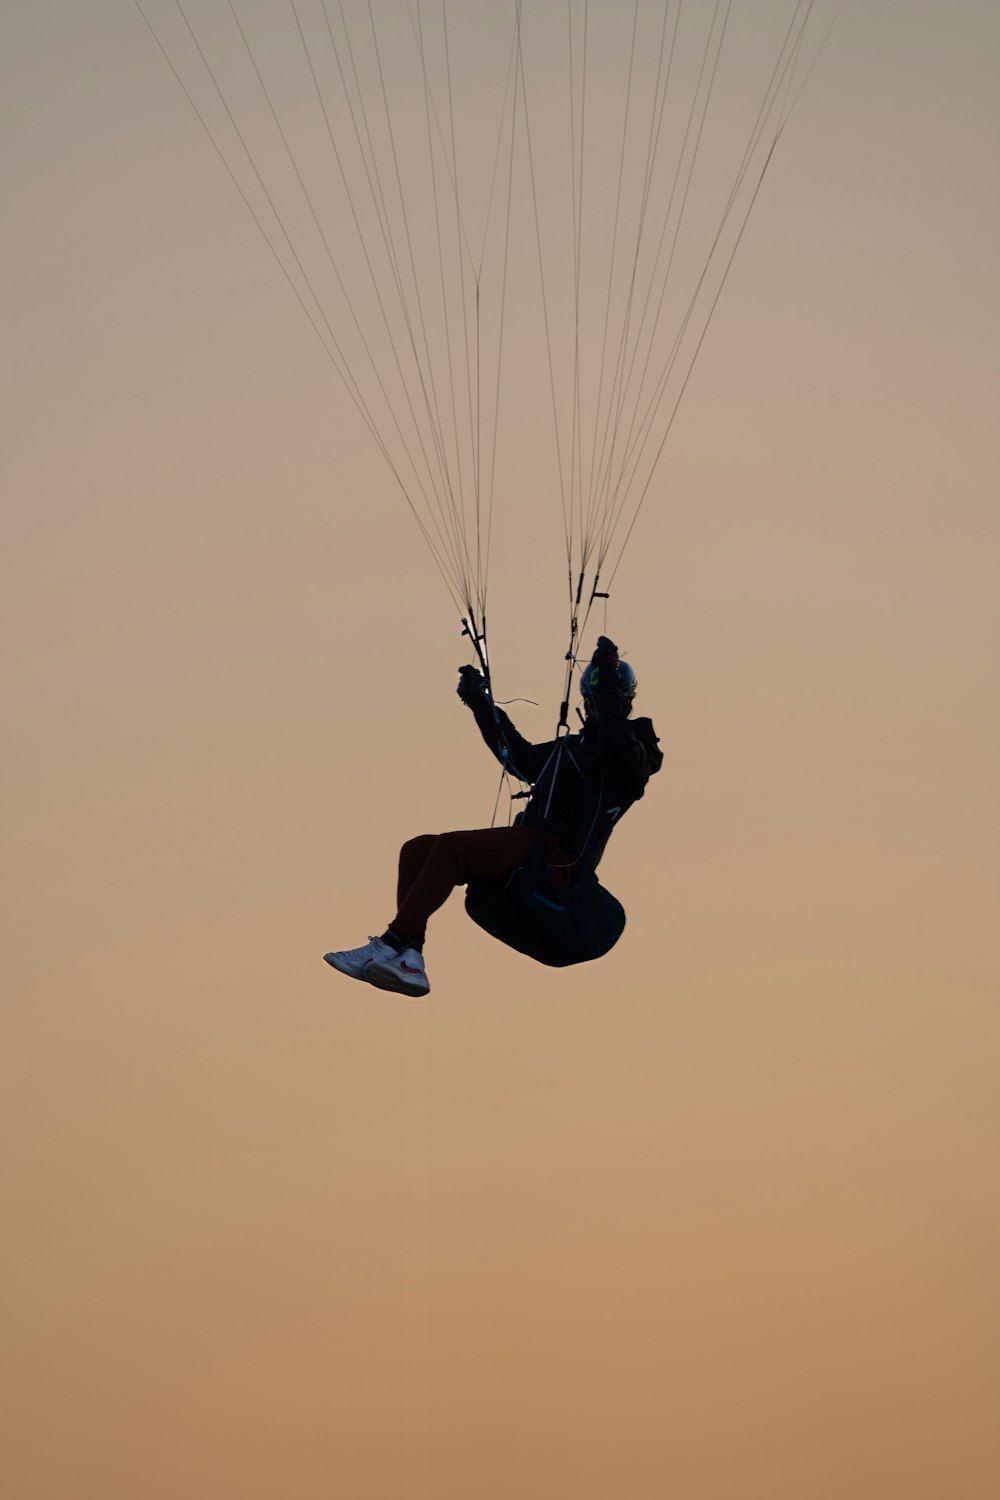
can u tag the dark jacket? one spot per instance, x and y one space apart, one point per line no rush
581 783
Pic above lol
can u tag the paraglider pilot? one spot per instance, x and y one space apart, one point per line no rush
581 785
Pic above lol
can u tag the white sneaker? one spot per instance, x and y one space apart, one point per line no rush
403 972
352 960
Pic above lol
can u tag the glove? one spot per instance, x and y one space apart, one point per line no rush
605 658
606 653
471 684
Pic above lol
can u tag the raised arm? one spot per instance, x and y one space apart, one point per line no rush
516 754
621 752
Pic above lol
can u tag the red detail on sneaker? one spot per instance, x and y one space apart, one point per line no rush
408 968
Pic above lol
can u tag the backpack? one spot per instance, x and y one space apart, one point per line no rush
557 927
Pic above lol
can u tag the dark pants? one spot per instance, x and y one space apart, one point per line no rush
431 865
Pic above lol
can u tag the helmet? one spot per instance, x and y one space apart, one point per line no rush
627 682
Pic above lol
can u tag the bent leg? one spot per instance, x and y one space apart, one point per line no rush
451 859
411 861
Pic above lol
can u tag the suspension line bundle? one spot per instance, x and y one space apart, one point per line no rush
396 154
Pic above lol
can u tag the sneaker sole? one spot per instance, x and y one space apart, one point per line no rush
331 959
388 979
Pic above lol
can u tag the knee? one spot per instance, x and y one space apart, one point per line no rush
418 847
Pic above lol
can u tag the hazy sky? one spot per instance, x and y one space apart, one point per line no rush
716 1218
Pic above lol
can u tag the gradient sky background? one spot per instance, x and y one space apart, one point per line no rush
716 1218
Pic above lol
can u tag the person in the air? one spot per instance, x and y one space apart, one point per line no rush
581 785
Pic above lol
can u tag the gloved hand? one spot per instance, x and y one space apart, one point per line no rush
605 658
471 684
604 653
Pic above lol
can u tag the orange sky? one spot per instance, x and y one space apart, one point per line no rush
716 1218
